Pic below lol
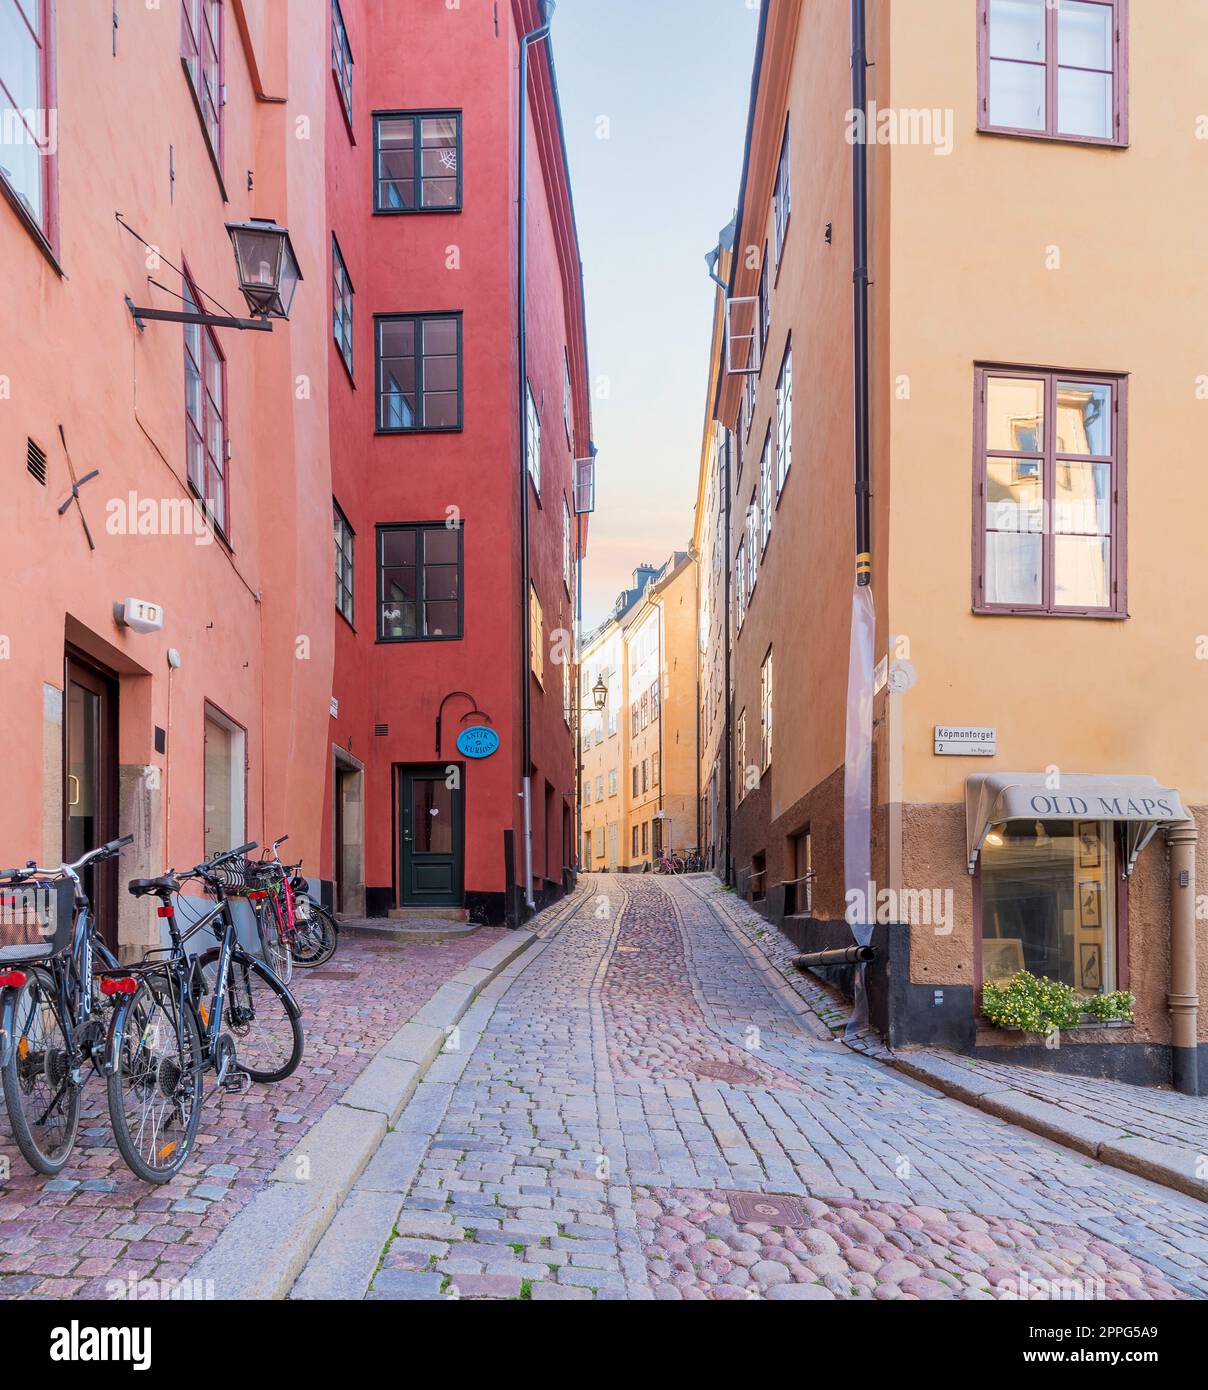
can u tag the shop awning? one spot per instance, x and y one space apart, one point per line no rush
1142 803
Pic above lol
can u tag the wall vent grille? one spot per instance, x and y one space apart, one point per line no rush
35 461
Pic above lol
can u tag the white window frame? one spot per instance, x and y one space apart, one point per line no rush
782 197
784 419
236 810
765 712
765 492
533 450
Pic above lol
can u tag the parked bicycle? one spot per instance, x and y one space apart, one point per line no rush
292 928
51 1027
666 863
168 1028
271 895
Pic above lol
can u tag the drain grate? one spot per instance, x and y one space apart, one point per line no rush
332 974
726 1071
770 1209
629 949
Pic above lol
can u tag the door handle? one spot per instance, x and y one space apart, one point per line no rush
73 790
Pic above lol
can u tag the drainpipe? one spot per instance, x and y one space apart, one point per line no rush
859 101
1183 1001
728 730
526 695
577 724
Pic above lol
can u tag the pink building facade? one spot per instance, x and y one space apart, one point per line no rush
217 453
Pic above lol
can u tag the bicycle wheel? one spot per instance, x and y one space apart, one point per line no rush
260 1014
43 1102
315 937
273 945
677 864
155 1086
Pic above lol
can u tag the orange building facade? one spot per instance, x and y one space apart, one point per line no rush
1036 795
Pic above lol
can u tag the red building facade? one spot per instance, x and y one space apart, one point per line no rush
425 433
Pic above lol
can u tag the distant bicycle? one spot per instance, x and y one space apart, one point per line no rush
668 863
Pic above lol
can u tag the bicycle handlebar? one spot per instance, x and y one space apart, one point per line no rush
106 851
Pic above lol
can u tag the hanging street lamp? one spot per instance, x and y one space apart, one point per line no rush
268 277
268 268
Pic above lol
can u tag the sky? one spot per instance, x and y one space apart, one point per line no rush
654 100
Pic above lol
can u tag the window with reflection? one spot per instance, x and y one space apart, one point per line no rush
1054 68
1048 903
1050 478
418 372
417 161
419 582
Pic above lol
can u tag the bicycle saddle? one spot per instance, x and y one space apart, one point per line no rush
166 883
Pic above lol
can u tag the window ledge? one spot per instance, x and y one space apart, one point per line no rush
415 212
205 134
420 429
335 78
31 226
1100 615
1045 138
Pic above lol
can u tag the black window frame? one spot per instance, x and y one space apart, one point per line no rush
347 552
420 527
339 266
340 39
418 319
416 116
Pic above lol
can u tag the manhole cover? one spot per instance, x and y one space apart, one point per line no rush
726 1071
748 1207
333 974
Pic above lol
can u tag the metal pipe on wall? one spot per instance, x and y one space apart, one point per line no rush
526 701
859 102
1183 999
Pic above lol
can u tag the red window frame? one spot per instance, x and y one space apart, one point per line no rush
1119 136
1050 458
206 75
45 227
207 364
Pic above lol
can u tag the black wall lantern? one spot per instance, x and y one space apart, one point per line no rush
268 276
268 268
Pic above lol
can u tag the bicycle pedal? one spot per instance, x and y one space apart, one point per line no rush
235 1082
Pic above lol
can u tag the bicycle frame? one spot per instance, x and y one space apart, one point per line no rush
72 972
183 974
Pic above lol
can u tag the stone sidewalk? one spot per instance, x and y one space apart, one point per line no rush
620 1087
96 1224
1156 1133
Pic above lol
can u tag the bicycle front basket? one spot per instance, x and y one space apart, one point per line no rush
38 912
239 877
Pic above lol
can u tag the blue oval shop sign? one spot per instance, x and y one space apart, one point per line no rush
477 741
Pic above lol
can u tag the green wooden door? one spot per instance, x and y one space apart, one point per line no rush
432 839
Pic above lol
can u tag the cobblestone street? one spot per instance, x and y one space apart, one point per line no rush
646 1058
95 1223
